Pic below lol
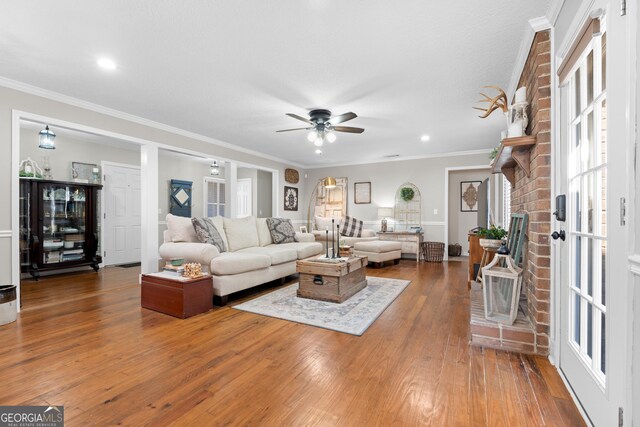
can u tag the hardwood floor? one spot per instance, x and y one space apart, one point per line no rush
83 341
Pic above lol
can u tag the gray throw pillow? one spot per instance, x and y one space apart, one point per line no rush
281 230
208 233
351 227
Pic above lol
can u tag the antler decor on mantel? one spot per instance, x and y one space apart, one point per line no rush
497 102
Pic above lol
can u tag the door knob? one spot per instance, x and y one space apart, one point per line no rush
560 234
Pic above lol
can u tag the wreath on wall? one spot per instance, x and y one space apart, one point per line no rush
407 194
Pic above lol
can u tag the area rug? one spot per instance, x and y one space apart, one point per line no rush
353 316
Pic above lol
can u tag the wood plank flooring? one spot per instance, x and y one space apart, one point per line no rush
83 341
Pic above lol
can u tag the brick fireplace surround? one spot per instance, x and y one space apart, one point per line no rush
530 333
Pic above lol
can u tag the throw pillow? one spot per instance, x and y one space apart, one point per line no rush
351 227
281 230
264 234
180 229
208 233
323 223
241 233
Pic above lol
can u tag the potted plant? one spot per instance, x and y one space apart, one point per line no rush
407 193
492 237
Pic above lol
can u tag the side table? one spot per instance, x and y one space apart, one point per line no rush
176 296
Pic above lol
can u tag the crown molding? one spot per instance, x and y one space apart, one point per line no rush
554 11
76 102
535 25
401 159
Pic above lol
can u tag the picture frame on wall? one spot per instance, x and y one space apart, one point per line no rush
290 198
469 196
82 172
362 193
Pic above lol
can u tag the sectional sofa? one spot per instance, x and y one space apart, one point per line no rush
251 257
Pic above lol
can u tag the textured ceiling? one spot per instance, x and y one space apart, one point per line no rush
231 69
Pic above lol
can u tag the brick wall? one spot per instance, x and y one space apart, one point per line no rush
533 194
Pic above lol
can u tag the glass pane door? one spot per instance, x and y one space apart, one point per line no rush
63 224
587 232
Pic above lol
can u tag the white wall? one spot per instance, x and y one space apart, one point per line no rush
70 149
427 174
264 194
461 222
74 111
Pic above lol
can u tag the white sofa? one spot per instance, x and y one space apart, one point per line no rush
323 223
251 258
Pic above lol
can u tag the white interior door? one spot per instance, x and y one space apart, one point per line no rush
122 215
245 196
591 268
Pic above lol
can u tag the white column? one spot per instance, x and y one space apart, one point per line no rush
231 189
149 207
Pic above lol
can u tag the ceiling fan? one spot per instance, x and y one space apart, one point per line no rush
322 125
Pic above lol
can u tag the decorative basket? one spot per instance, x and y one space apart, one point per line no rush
455 249
291 176
490 243
433 251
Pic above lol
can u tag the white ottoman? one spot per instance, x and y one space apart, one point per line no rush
379 251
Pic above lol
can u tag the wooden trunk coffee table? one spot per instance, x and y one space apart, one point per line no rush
177 296
332 282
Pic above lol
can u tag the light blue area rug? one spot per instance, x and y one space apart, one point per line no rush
353 316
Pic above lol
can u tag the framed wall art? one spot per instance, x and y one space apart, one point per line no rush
290 198
362 191
469 196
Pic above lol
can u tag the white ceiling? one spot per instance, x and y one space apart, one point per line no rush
230 70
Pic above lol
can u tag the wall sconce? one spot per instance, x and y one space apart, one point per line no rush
47 139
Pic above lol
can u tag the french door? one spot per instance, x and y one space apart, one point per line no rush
591 270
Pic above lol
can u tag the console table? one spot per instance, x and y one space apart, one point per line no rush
411 241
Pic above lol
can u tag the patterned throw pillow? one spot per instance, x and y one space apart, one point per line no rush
281 230
351 227
208 233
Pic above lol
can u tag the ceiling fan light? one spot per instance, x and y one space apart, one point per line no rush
331 137
311 136
318 142
318 151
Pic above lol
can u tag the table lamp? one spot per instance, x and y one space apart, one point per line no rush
383 214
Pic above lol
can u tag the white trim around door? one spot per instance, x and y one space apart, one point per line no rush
447 171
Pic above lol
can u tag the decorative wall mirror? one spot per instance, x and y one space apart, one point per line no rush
408 207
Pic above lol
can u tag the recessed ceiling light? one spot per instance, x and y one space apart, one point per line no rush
425 138
106 63
318 151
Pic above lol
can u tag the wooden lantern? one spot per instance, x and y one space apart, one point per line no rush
501 289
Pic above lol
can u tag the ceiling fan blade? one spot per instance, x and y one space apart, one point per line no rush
289 130
348 129
304 119
342 118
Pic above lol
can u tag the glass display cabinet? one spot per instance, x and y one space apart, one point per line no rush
59 225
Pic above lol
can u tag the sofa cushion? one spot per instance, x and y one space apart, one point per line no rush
241 233
281 230
378 246
279 254
351 227
264 235
181 229
305 249
238 262
208 233
323 223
